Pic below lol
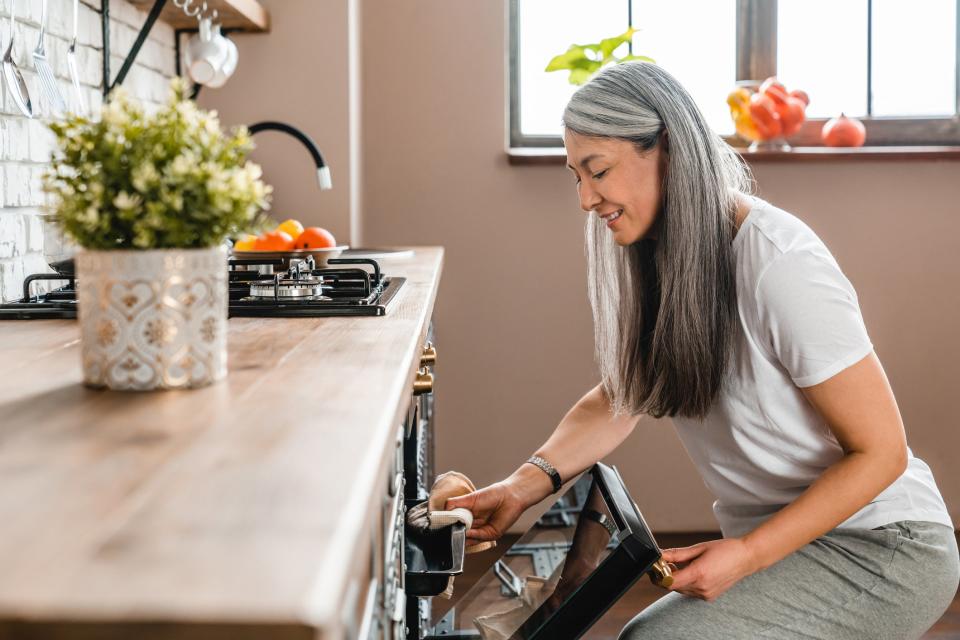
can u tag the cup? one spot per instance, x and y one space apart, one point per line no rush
206 52
229 64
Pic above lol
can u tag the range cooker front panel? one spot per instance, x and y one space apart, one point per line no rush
558 578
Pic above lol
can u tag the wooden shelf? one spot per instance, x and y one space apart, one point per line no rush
248 15
557 156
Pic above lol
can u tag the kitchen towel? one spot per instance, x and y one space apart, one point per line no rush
430 515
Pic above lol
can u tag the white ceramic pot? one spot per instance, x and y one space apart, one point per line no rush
153 319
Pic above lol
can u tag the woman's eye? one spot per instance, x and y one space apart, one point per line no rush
599 175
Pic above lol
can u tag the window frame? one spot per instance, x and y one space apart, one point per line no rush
756 58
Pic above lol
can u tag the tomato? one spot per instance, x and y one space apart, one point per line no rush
245 243
274 241
292 227
801 95
775 90
763 111
791 115
315 238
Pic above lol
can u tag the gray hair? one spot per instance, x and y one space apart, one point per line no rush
664 309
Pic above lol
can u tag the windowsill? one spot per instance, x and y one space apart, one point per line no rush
557 155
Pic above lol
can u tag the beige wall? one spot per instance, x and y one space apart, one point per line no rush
299 73
513 323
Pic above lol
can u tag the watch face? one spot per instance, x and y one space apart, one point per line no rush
564 572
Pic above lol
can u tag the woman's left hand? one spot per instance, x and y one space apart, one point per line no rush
710 568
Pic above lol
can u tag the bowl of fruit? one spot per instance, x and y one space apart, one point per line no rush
289 240
769 115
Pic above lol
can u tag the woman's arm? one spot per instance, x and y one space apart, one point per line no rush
585 435
859 407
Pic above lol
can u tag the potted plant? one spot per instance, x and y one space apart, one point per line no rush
150 198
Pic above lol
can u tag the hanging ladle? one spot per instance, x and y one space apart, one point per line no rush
15 84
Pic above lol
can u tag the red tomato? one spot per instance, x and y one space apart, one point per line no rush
774 89
315 238
763 111
801 95
791 115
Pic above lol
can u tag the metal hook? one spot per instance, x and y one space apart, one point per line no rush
195 12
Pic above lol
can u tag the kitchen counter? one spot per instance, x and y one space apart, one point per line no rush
240 510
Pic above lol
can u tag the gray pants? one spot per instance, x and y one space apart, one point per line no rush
893 582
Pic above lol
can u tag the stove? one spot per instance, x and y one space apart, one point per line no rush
258 288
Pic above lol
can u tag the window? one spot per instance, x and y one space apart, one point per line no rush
893 64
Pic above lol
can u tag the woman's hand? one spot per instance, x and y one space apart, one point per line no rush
710 568
494 509
497 507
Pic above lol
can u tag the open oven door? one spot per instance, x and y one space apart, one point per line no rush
560 577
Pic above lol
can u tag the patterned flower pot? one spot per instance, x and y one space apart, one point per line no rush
153 319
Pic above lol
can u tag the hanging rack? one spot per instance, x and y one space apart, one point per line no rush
188 7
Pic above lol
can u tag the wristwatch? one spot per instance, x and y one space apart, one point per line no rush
596 516
548 469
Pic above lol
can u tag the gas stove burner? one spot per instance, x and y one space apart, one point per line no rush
257 288
288 288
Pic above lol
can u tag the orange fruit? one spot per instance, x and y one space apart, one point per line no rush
291 227
315 238
245 243
274 241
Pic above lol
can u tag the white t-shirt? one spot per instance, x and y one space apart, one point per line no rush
762 444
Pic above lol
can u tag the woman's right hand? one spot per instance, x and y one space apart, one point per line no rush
496 507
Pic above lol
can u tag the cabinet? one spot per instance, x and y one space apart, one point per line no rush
387 611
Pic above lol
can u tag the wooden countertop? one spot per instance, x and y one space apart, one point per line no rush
237 504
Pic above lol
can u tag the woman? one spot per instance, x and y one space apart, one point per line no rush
732 317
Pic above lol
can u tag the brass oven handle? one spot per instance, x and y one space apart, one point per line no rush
423 383
429 355
661 573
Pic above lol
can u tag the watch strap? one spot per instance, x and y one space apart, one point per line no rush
548 469
596 516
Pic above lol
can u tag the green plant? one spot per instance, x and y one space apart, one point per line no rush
583 60
170 179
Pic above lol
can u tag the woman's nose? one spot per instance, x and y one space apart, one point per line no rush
589 198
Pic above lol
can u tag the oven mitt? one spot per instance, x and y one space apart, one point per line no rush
430 516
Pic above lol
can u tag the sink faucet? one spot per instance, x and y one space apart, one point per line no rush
323 171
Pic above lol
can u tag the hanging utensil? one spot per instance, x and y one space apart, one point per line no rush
15 84
42 65
80 102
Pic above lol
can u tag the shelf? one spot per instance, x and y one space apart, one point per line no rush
557 156
247 15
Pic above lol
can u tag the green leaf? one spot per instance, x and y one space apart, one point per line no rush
633 57
609 45
568 59
580 76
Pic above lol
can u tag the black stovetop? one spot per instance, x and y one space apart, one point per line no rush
347 288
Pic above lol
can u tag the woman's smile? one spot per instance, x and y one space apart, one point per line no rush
611 218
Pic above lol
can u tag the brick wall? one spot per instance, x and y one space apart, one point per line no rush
25 144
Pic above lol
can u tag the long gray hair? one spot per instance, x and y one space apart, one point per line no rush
664 309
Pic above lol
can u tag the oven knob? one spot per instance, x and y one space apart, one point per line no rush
423 383
661 573
429 355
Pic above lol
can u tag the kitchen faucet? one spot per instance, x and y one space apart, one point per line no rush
323 171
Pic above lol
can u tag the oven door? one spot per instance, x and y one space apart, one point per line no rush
558 578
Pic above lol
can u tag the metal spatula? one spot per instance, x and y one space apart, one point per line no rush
80 103
42 65
15 84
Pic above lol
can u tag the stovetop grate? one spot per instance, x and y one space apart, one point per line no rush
346 291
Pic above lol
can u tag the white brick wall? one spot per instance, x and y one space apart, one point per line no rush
25 144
